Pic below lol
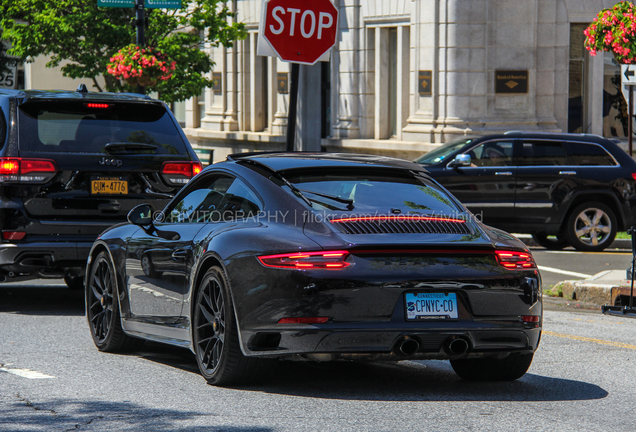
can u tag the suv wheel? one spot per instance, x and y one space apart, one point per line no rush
552 243
591 227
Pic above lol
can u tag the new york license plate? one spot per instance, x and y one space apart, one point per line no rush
109 186
431 306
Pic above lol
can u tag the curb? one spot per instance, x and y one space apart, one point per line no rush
617 244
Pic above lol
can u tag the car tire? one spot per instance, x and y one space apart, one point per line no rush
557 243
591 227
102 309
215 334
74 283
488 369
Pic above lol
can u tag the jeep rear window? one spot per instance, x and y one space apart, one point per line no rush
87 126
589 155
373 192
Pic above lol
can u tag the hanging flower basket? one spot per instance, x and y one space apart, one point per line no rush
613 30
141 66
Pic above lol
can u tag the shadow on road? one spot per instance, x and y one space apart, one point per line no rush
66 415
403 381
41 300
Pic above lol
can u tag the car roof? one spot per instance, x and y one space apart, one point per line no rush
68 94
545 135
283 161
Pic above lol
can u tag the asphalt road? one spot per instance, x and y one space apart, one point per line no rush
53 379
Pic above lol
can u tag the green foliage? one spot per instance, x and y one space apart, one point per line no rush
614 30
87 37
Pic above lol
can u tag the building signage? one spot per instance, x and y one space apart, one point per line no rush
217 77
283 82
511 81
425 83
148 4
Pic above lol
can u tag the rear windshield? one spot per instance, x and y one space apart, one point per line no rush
80 127
373 193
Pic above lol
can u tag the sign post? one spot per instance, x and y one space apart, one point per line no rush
628 79
299 32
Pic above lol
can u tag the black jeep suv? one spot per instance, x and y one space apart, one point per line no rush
74 163
578 188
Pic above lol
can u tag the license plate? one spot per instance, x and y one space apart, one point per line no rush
109 186
431 306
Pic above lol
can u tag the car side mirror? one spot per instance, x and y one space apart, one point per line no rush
141 215
461 160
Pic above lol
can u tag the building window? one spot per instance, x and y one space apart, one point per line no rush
393 81
391 73
576 93
201 106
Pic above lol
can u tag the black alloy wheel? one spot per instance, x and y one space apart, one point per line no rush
489 369
551 243
102 308
591 227
215 334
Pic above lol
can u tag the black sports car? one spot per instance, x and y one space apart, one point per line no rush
313 256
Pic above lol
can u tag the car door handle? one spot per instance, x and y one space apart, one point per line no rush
567 172
503 173
180 255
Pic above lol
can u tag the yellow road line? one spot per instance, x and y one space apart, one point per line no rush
586 339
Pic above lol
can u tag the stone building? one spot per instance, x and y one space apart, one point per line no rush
408 75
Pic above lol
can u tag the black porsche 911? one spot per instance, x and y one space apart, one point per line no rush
317 257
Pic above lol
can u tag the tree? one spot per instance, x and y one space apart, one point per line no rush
87 37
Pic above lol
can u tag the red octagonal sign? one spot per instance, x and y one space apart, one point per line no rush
300 31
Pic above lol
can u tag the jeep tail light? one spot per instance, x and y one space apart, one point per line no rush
13 235
514 260
180 172
326 260
26 170
634 176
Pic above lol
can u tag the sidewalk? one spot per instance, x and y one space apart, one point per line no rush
600 289
617 244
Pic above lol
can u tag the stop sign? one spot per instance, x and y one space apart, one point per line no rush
300 31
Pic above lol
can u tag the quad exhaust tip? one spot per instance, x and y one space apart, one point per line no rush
407 346
455 346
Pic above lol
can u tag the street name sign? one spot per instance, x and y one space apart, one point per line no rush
298 31
148 4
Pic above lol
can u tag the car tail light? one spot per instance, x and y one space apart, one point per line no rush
515 260
634 176
303 320
180 172
13 235
329 260
15 169
97 105
530 318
